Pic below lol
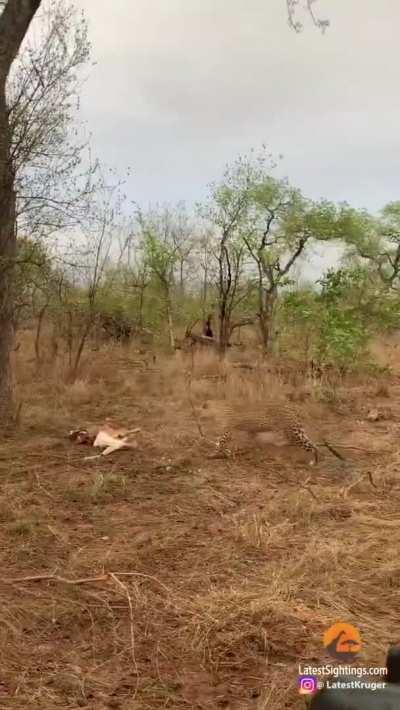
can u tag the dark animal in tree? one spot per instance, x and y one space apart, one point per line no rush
208 332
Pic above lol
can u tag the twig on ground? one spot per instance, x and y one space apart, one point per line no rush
345 491
56 578
85 580
368 475
56 534
125 590
308 489
42 487
107 576
144 576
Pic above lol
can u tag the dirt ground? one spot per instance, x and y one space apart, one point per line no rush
184 581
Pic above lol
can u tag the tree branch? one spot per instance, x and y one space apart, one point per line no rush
300 247
295 24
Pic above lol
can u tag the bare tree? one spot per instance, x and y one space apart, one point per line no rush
89 257
231 291
15 20
227 210
54 173
296 24
279 229
183 239
205 253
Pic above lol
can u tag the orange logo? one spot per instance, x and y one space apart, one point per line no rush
343 642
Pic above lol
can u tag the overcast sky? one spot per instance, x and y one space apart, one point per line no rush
182 86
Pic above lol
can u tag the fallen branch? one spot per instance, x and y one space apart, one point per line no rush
56 578
125 590
364 475
85 580
345 491
106 577
242 323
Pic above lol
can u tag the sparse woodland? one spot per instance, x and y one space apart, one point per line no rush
92 264
155 276
160 577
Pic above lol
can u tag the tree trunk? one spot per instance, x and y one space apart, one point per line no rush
224 332
141 306
14 22
7 257
54 341
205 290
266 320
69 337
8 245
171 333
181 278
39 331
73 372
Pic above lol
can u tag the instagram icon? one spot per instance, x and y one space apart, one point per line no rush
308 684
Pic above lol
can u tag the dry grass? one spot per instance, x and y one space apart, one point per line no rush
211 579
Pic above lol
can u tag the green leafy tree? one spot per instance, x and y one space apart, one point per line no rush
160 255
299 317
269 225
335 323
282 225
33 275
375 240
